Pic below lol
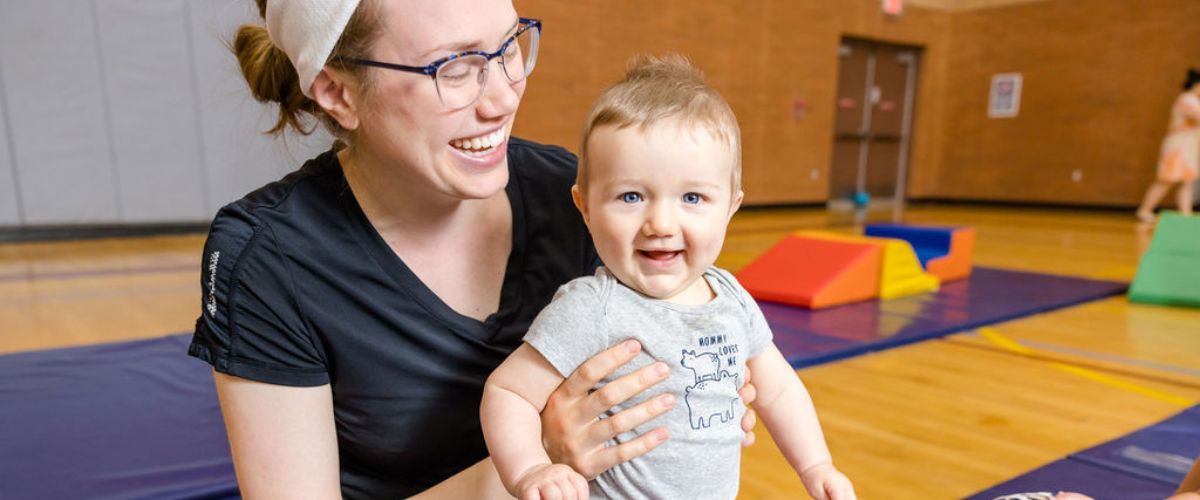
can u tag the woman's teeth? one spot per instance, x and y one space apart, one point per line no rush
480 144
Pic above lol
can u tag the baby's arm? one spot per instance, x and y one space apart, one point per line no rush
513 399
787 410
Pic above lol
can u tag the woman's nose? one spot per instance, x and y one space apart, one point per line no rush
500 97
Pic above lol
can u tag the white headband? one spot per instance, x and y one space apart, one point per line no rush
307 30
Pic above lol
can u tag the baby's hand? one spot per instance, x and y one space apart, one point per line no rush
824 482
552 482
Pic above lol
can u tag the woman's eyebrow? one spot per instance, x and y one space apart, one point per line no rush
463 46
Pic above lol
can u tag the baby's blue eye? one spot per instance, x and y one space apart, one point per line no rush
631 197
692 199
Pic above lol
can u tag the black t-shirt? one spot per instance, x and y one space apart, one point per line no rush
300 290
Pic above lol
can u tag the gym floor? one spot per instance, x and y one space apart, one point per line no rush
940 418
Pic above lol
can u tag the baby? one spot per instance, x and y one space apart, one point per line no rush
659 179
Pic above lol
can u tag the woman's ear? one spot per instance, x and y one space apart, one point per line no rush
332 93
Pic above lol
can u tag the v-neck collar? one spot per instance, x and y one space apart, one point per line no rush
391 264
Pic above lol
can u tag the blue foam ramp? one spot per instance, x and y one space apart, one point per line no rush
112 421
928 242
1146 464
808 337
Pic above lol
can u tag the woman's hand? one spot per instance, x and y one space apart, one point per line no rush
572 432
748 394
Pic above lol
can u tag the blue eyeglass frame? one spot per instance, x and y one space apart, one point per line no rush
432 68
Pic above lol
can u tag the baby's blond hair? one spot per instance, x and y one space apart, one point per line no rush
660 88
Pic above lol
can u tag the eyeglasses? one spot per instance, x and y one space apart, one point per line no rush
461 78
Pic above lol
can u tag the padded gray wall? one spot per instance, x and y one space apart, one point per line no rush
56 112
237 154
130 111
147 73
9 211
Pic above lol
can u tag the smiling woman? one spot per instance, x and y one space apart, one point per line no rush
353 309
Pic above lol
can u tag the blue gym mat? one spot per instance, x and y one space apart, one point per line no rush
1145 465
810 337
112 421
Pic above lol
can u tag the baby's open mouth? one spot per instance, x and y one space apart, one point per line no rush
660 254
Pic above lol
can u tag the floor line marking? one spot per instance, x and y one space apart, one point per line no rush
997 338
54 275
1045 346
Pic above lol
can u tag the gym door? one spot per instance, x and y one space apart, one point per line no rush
874 107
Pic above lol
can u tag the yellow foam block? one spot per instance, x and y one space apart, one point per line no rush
901 273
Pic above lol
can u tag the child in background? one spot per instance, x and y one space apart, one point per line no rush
1179 157
658 181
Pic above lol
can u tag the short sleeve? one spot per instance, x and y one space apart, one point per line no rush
758 331
571 329
250 324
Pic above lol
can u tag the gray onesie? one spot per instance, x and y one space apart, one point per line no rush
706 346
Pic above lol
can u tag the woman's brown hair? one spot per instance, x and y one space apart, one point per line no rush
272 78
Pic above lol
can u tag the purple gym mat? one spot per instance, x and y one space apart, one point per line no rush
1068 475
112 421
807 337
141 420
1145 465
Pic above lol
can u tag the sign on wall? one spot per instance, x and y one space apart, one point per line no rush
1004 100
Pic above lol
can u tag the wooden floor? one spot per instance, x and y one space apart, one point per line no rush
937 419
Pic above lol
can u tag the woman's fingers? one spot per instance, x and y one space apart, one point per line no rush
748 421
621 389
592 371
748 392
748 440
629 418
573 433
609 456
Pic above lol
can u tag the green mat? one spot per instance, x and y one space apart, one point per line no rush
1169 273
